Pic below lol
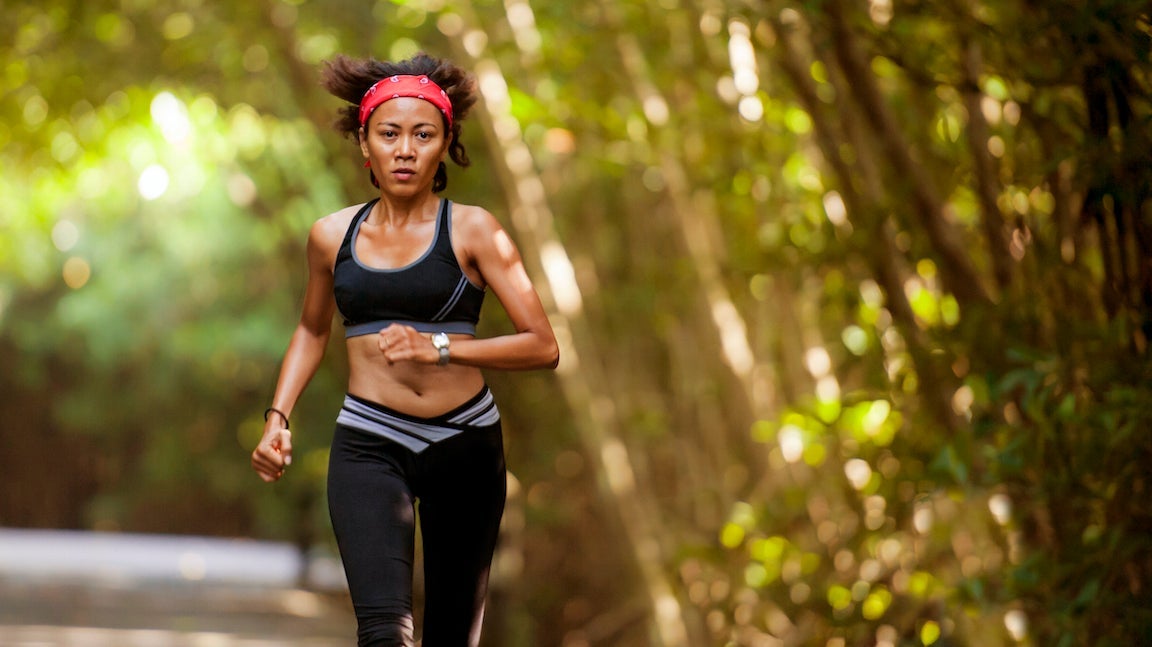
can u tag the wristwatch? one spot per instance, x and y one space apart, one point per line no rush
440 341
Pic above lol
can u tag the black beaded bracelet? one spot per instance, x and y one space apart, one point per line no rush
275 410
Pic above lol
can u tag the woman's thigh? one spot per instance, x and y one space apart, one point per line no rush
373 517
461 504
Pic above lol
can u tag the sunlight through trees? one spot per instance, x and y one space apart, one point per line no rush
854 299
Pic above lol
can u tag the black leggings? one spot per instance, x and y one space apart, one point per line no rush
373 487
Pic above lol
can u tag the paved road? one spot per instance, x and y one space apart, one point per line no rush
83 590
44 614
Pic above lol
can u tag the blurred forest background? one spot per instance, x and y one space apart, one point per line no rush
854 296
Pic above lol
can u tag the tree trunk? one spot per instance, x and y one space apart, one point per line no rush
580 373
956 269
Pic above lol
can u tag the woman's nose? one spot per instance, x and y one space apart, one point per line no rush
404 149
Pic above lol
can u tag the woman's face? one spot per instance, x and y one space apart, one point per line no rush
405 140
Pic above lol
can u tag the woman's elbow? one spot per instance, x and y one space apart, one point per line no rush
313 334
550 357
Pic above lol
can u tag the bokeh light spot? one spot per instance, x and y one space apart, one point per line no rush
65 235
930 633
791 443
76 272
178 25
171 116
859 472
153 182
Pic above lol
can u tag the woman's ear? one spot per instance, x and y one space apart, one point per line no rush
362 138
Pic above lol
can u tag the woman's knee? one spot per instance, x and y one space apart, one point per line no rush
385 629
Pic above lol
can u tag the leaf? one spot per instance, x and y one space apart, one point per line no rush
1087 594
948 461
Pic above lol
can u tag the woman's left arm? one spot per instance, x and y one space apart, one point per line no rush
493 254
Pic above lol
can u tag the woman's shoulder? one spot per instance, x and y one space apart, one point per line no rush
472 219
331 228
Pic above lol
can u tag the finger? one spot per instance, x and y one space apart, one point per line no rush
267 454
267 465
272 449
285 438
266 469
270 478
411 336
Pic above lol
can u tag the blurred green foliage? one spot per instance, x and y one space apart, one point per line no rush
906 462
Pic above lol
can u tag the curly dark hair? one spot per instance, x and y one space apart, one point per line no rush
349 78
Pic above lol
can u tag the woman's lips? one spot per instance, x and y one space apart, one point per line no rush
403 173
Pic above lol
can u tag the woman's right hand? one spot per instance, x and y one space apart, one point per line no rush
274 453
306 349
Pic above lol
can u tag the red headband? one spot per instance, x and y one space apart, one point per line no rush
405 85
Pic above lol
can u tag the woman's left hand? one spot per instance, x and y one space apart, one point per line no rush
401 343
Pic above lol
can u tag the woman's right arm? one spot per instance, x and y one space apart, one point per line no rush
305 350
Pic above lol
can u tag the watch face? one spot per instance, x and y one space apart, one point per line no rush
440 340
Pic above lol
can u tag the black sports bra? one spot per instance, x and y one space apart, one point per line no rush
431 294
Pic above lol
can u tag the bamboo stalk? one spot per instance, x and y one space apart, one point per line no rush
581 376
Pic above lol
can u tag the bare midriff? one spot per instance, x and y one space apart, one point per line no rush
423 390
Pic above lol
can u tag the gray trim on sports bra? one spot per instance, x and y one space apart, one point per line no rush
373 327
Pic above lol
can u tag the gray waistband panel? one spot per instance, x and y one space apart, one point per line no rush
412 433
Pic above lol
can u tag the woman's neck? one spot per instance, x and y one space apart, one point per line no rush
396 211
